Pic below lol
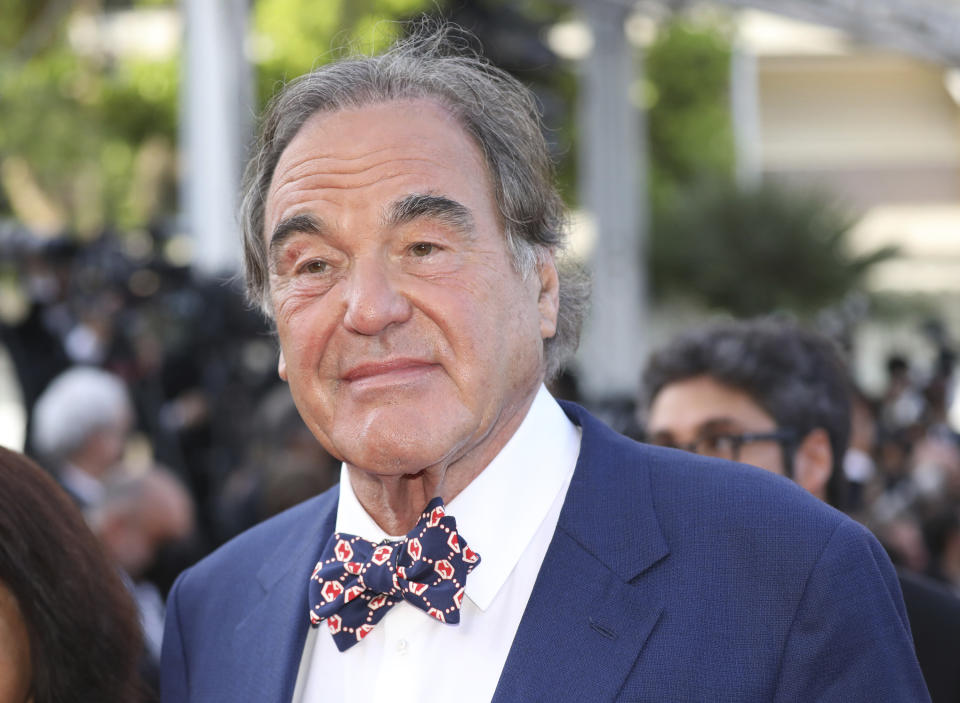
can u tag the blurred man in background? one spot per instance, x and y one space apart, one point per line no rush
771 394
761 392
137 516
81 423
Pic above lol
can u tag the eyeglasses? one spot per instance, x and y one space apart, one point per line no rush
728 446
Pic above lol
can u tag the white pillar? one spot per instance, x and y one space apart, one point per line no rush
614 190
215 120
745 115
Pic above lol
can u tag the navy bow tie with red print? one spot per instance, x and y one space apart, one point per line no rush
357 581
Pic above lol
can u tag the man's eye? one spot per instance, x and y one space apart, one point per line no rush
716 443
315 267
422 249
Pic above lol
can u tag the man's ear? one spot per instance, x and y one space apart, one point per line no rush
282 367
548 302
813 463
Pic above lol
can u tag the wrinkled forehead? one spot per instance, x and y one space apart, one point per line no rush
364 145
697 401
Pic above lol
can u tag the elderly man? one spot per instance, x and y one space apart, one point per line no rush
774 395
140 514
81 423
486 543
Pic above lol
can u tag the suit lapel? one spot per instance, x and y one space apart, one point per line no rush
590 611
269 640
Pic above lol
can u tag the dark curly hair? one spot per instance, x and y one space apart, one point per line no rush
797 376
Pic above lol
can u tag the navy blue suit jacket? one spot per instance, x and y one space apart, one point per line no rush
669 578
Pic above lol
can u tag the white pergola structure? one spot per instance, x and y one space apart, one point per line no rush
613 156
928 29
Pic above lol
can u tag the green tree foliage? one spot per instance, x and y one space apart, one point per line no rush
747 251
293 36
87 135
77 124
689 128
753 251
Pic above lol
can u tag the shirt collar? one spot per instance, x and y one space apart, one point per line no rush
89 489
501 510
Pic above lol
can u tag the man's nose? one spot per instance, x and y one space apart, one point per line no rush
373 299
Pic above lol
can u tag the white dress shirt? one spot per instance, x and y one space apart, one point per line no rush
508 515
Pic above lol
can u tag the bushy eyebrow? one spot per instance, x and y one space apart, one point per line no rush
403 211
720 424
417 205
286 228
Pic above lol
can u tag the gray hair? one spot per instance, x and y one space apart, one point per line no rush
496 110
76 404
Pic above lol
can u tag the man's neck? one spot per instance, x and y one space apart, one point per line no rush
396 502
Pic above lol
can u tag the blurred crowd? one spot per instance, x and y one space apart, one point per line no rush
903 465
152 398
198 366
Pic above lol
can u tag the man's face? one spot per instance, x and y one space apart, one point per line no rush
407 337
700 410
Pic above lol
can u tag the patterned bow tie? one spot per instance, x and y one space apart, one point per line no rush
357 581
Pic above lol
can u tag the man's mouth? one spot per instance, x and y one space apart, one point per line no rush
388 372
